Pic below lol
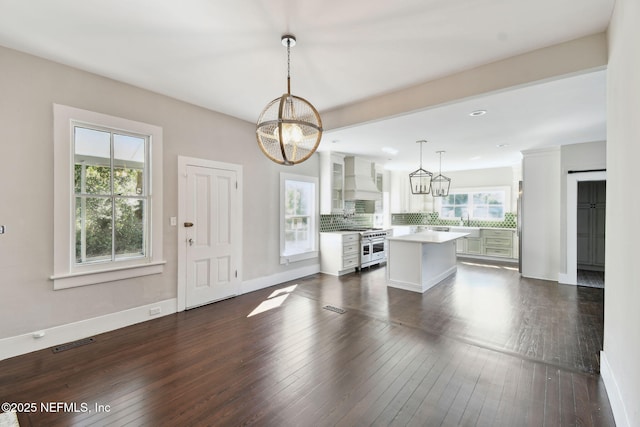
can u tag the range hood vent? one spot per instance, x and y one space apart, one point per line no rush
359 180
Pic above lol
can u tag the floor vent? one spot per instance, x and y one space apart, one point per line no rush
336 309
73 344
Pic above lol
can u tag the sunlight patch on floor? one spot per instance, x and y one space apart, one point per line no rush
275 300
286 290
477 264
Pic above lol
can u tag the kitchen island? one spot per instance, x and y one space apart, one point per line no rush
417 262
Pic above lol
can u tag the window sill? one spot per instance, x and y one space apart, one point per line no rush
286 259
73 280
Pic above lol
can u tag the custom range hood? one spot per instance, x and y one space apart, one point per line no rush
359 179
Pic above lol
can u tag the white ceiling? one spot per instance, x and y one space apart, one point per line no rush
558 112
227 56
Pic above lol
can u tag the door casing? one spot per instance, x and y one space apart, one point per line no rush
571 275
183 164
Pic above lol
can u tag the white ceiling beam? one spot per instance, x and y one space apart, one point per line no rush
573 57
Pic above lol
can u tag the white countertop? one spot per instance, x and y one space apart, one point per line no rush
430 237
353 231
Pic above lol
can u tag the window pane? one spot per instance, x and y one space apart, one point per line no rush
299 200
128 181
298 197
447 212
474 205
129 224
92 159
488 198
128 165
97 179
94 244
461 199
297 236
496 212
480 212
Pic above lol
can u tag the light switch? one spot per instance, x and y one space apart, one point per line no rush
173 220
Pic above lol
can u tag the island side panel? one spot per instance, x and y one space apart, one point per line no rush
404 265
438 263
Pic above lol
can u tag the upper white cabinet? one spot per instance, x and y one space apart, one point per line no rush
331 183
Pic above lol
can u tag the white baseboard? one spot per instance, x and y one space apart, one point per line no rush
615 397
488 258
567 279
275 279
38 340
428 284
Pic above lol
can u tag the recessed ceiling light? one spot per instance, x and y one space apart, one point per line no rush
502 145
390 150
478 113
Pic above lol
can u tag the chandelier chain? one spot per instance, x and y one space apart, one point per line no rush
289 66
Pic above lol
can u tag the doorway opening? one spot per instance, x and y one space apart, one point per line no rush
590 233
586 210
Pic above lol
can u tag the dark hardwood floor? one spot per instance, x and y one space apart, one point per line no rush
483 348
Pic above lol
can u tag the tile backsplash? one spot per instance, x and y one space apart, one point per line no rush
353 216
432 218
336 222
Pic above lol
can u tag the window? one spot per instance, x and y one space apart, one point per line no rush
111 197
299 224
108 198
481 204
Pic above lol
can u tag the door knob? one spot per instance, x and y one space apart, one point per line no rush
188 224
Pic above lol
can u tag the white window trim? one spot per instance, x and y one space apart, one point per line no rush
314 253
507 199
65 273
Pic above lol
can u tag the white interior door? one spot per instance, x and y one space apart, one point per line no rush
211 241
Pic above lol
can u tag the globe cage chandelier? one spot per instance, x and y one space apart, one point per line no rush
289 128
420 179
440 184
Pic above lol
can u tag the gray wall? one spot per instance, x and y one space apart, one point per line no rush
620 367
28 88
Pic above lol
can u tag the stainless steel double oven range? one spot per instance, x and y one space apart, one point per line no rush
373 246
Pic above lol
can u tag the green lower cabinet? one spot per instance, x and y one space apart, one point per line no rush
493 243
497 243
474 245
